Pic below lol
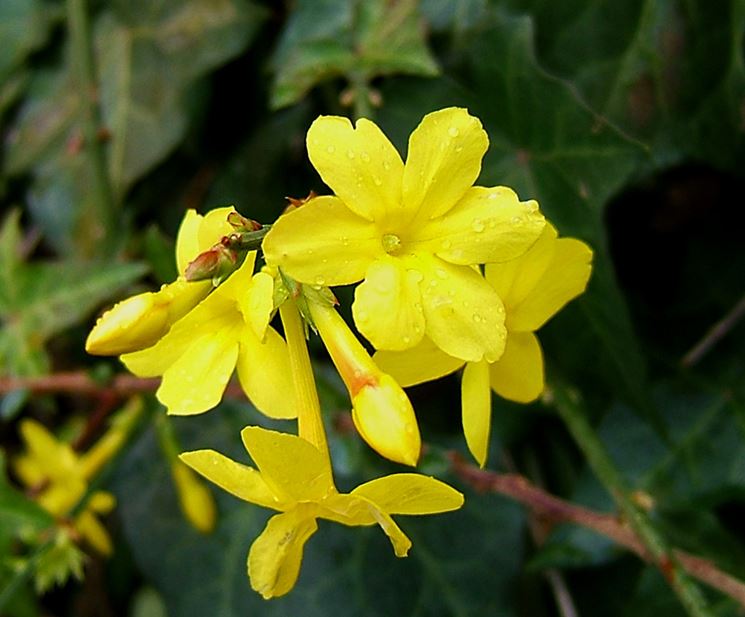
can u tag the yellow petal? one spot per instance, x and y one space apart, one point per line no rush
198 233
94 532
195 382
518 374
290 465
101 502
410 493
257 303
486 225
240 480
464 316
54 459
399 540
385 419
264 372
214 313
387 306
444 160
476 405
425 362
187 239
275 556
323 243
359 164
194 498
564 278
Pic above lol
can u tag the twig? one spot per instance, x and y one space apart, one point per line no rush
79 382
717 332
655 545
557 510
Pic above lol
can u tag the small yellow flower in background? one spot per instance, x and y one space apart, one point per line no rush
533 287
140 321
61 478
411 231
381 411
194 498
293 477
228 329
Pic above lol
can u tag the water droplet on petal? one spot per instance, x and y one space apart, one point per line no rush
478 225
386 165
406 339
365 157
362 315
330 149
446 244
516 220
459 148
476 317
377 181
350 154
453 131
320 280
493 195
441 273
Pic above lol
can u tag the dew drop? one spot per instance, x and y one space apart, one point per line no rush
441 273
476 318
330 149
309 251
406 339
365 157
350 154
459 148
320 280
516 220
446 244
453 131
457 253
344 241
493 195
386 165
478 225
377 181
362 315
531 207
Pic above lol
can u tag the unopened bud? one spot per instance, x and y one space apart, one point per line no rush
215 263
194 497
134 323
385 419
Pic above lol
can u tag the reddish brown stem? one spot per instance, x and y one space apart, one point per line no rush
557 510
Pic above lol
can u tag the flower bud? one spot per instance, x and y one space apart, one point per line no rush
214 263
195 498
142 320
385 419
381 410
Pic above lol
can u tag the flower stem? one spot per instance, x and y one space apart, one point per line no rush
97 224
310 424
575 418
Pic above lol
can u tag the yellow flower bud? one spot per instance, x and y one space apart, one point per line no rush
385 419
381 410
194 497
142 320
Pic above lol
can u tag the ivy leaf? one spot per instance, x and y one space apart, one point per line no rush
347 38
150 60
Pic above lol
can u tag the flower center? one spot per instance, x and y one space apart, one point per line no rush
391 243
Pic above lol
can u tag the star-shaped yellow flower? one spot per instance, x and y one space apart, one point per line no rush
228 329
533 288
411 231
140 321
294 478
61 478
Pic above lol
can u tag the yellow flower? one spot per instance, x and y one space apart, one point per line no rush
60 477
412 232
294 478
381 411
140 321
228 329
533 288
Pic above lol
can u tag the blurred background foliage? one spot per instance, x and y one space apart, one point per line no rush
625 120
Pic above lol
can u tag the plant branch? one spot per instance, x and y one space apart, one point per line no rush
654 544
557 510
717 332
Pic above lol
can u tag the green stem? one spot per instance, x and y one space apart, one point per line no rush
361 89
96 225
573 414
310 423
